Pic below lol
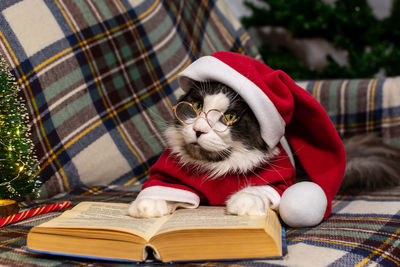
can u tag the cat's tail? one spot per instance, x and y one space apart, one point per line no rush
371 165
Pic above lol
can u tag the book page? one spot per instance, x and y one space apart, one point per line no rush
113 216
206 217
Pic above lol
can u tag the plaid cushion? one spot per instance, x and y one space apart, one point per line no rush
362 231
361 105
99 79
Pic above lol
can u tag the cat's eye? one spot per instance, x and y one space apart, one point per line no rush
231 117
187 113
198 105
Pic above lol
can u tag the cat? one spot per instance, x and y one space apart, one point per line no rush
371 165
216 132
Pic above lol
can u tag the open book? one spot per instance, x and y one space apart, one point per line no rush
105 231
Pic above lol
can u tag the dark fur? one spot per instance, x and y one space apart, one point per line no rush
371 165
197 152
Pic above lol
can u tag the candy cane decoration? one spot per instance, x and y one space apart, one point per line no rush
33 212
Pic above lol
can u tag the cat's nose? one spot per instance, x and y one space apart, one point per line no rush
200 127
198 133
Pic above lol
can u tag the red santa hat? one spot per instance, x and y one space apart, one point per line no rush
282 108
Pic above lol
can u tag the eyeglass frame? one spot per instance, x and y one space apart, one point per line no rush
228 123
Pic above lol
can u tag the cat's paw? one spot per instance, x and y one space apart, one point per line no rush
246 204
149 208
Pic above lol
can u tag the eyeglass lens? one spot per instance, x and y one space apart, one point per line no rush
216 120
187 114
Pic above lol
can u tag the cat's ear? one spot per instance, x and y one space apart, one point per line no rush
187 86
186 83
191 89
186 90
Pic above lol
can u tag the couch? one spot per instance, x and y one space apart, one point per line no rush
99 80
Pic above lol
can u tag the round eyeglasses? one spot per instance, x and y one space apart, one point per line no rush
188 113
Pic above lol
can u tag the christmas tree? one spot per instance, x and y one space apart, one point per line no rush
17 162
372 44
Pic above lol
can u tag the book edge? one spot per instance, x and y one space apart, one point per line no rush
81 256
150 262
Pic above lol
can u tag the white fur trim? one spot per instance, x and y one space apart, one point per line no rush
288 150
186 199
210 68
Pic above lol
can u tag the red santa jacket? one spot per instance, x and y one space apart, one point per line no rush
173 182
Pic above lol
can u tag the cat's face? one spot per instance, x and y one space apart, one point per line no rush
223 137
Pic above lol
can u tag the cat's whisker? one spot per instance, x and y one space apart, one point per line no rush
262 179
235 97
280 158
298 149
280 175
275 166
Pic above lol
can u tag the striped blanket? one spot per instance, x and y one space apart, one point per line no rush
99 79
362 231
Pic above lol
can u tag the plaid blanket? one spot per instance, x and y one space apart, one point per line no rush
363 230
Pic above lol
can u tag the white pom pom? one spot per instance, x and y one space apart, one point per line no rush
303 204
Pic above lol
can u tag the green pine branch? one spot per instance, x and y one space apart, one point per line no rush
350 25
18 164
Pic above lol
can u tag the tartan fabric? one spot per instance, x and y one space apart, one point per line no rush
99 79
362 231
361 105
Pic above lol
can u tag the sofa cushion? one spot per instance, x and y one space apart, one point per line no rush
359 106
99 79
